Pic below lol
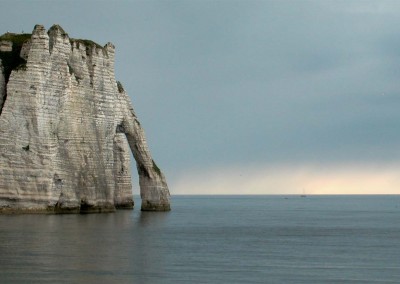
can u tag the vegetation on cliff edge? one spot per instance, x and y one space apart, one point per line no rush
11 59
85 42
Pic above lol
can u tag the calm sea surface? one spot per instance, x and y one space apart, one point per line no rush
211 239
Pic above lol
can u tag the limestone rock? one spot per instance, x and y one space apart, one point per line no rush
5 46
2 85
66 127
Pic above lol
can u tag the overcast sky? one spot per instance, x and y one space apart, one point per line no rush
252 96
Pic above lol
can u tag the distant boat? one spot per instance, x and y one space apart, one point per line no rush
304 193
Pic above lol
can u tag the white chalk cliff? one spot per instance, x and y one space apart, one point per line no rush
67 128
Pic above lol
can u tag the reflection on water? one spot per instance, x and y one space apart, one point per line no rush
94 248
210 240
152 218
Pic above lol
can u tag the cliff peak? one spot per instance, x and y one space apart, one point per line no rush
57 28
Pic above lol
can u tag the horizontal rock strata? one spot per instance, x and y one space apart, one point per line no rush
67 128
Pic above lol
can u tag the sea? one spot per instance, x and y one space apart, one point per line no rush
211 239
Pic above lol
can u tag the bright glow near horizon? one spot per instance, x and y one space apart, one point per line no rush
291 180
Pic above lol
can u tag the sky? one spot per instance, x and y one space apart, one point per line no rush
252 97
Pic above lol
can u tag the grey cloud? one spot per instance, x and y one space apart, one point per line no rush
237 82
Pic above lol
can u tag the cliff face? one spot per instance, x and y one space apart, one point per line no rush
66 126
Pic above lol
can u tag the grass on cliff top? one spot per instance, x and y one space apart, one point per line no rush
16 39
11 60
85 42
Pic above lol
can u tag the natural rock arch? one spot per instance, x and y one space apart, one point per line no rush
65 128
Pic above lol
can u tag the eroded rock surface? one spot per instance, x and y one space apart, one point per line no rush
2 86
66 126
